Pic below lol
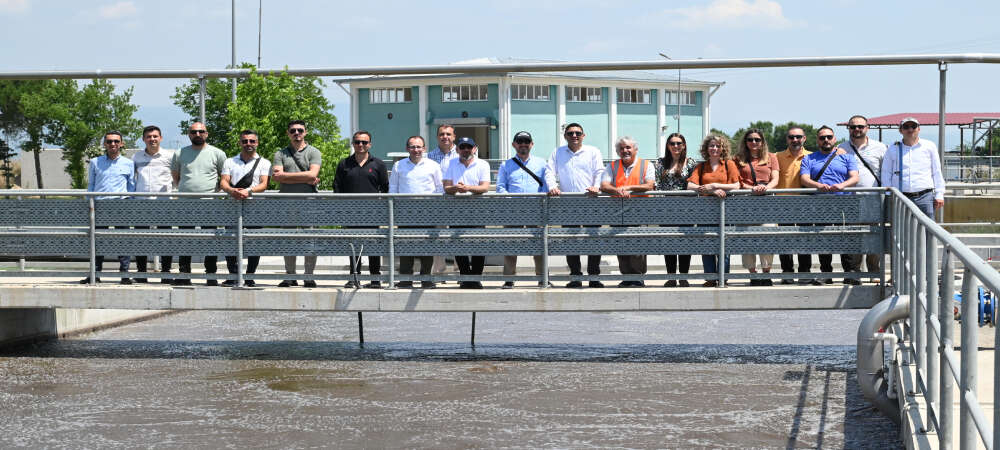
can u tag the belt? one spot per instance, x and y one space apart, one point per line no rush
918 194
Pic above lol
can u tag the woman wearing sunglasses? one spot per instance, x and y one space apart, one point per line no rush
759 173
672 172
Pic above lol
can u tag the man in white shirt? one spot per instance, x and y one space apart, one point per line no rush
415 175
576 167
468 175
242 175
152 174
621 178
444 154
869 154
919 175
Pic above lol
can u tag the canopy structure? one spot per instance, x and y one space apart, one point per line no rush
980 123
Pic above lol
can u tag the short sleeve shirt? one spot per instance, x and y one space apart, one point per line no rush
199 169
836 172
669 181
726 173
236 168
789 168
286 159
761 169
475 173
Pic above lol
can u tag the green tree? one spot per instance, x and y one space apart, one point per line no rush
267 102
18 127
79 117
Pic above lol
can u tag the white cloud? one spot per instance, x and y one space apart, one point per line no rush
13 6
118 10
731 14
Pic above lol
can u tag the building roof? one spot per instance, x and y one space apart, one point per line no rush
629 75
929 119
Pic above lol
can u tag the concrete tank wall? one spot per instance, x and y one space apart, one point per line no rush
20 325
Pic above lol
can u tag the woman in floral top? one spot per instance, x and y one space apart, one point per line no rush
672 172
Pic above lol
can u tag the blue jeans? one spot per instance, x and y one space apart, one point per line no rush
925 203
711 263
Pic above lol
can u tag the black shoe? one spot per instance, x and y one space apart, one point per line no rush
767 282
828 281
212 283
541 284
595 284
670 283
710 283
166 281
428 285
625 284
142 280
87 280
575 284
754 282
288 283
309 284
852 281
815 283
787 281
684 283
466 285
508 285
183 282
229 283
477 285
352 285
404 285
639 284
374 285
125 281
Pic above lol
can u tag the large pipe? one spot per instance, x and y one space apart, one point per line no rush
871 373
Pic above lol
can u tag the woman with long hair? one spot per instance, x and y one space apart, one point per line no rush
759 173
716 175
672 172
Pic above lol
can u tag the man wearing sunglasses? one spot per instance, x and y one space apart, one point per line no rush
830 170
196 168
296 168
869 154
576 167
789 168
362 173
242 175
913 167
521 173
111 172
468 175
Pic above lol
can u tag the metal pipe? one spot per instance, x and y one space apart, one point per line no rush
871 373
239 244
943 76
545 242
970 350
931 300
658 64
919 293
201 98
392 244
260 23
93 239
979 420
361 329
233 63
946 413
472 339
721 264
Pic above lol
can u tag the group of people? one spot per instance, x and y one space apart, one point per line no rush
453 168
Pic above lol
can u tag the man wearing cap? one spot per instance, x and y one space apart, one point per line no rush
415 175
576 167
468 175
521 173
621 178
913 167
869 154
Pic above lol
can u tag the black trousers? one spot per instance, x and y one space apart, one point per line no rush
184 262
788 264
406 264
232 266
672 263
470 265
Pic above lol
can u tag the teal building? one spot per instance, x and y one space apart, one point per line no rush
492 108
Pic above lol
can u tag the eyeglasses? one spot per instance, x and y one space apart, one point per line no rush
857 127
522 141
360 142
112 141
908 127
248 141
296 130
414 147
198 132
754 140
465 147
826 137
796 136
675 143
574 133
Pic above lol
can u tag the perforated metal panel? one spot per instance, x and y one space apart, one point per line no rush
804 209
176 212
585 211
467 241
54 242
167 242
467 210
271 212
670 210
44 212
632 240
286 242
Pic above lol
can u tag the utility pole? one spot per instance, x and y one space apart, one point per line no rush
233 64
678 94
260 21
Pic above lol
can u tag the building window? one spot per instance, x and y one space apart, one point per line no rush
537 92
391 95
465 93
687 98
641 96
583 94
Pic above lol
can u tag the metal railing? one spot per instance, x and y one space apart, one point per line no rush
915 264
974 169
79 224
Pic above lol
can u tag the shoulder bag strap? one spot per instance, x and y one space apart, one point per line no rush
858 154
247 180
526 169
819 175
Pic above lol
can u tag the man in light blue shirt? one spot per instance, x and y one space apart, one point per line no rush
522 173
111 172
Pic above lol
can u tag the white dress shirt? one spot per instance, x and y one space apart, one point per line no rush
476 172
423 177
574 171
921 168
152 173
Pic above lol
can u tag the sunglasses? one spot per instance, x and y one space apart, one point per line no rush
360 142
248 141
907 127
675 143
198 132
827 137
796 136
113 141
522 141
754 140
574 133
465 147
857 127
296 130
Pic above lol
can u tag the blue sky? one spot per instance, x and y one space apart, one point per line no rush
181 34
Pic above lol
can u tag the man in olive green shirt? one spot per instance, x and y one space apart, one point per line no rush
296 168
196 168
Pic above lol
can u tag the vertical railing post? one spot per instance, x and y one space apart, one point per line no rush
968 435
931 299
946 411
721 266
545 242
919 291
21 265
392 244
894 247
93 239
239 245
201 98
942 82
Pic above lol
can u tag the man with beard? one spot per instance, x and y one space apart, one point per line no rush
468 175
362 173
296 167
869 154
111 172
521 173
243 175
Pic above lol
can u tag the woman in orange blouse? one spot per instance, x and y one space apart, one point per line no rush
714 176
758 172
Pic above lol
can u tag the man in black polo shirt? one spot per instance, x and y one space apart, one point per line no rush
362 173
